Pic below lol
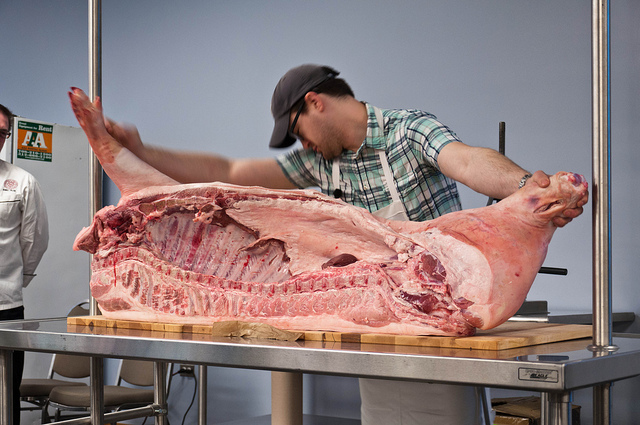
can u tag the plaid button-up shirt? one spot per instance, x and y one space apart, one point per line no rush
412 140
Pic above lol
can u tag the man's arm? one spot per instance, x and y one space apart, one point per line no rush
484 170
34 231
489 172
201 167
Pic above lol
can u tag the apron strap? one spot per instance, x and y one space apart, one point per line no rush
388 176
390 181
335 177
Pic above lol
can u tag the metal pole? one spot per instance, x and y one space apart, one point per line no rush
602 400
544 408
202 394
601 184
122 415
6 387
97 390
559 412
95 90
160 391
95 193
602 341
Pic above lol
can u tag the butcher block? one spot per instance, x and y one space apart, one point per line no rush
506 336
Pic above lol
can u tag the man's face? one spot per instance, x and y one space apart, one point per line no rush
4 129
317 133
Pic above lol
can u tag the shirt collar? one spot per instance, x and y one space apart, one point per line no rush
375 138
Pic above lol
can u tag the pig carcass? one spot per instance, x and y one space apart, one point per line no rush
300 260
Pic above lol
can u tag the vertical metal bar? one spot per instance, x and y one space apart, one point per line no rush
97 391
560 408
202 394
601 203
160 391
544 409
95 90
502 139
95 193
6 383
601 184
602 399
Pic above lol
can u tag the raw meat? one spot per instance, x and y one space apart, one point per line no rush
302 261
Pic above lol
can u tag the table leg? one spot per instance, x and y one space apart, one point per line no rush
286 398
555 408
6 387
160 391
202 394
97 391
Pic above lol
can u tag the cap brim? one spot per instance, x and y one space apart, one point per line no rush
280 137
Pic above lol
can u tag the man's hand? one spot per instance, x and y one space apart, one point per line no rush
127 135
542 180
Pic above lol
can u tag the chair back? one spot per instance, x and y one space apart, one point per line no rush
136 372
70 365
81 309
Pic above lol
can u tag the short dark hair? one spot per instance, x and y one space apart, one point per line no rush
4 110
336 87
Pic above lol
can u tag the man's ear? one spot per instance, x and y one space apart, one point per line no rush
314 100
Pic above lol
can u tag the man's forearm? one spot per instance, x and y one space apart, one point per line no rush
496 175
484 170
187 167
202 167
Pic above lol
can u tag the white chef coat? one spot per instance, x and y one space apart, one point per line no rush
24 232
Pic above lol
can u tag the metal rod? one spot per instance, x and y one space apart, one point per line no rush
602 397
122 415
553 270
559 412
601 203
95 90
544 408
6 386
160 391
202 394
95 194
501 149
97 390
601 184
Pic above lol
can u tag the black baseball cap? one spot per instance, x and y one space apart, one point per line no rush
291 88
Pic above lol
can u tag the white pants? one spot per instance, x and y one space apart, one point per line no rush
417 403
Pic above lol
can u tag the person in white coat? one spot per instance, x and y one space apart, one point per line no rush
398 164
24 237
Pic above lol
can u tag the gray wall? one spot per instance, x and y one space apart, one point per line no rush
199 75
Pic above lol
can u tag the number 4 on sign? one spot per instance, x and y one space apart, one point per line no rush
34 140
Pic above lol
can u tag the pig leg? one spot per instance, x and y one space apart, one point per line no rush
126 170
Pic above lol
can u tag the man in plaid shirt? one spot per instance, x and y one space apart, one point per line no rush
398 164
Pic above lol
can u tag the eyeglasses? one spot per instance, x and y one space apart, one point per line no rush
295 121
5 134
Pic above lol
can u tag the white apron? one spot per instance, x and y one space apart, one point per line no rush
393 211
386 402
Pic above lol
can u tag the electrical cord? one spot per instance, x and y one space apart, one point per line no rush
193 398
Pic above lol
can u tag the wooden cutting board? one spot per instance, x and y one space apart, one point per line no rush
506 336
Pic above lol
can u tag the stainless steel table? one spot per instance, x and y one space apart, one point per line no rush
553 369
